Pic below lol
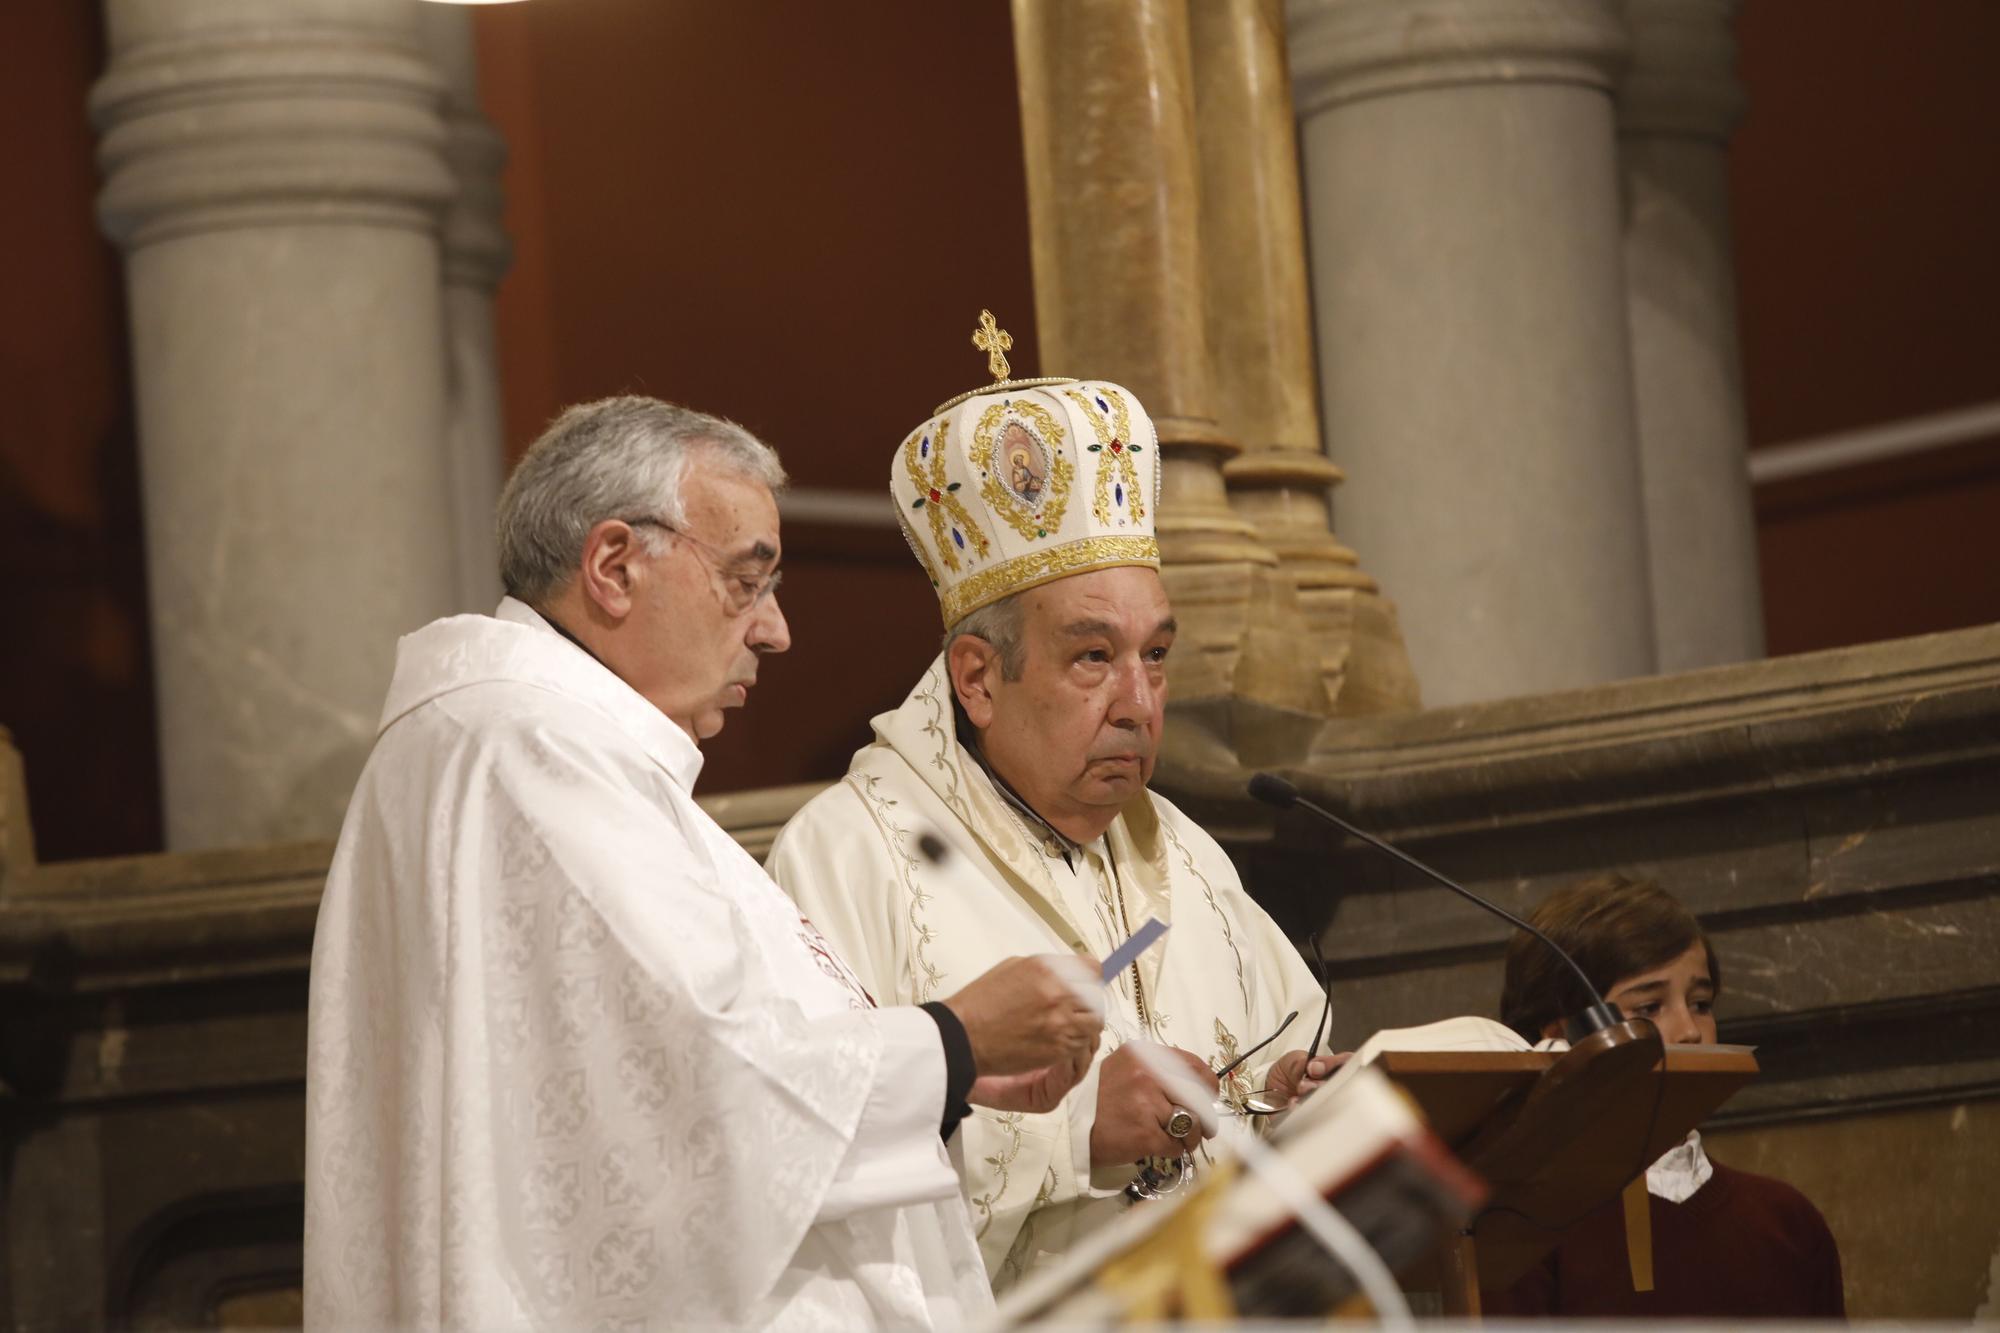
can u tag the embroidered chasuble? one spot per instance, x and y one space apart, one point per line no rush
1221 980
574 1061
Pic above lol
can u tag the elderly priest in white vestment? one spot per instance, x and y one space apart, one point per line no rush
574 1061
1025 749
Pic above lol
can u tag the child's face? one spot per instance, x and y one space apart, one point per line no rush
1678 996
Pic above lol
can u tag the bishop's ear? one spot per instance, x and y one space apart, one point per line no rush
611 567
974 667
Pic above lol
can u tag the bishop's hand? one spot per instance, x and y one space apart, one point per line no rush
1292 1078
1134 1108
1027 1014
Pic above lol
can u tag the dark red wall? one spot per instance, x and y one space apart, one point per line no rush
75 680
1867 190
790 212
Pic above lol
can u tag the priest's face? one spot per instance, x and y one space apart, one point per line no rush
1078 733
1679 997
707 608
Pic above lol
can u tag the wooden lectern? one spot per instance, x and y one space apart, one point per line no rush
1555 1135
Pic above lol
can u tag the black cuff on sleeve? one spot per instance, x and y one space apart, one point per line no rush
959 1069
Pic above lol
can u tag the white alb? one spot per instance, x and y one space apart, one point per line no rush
574 1061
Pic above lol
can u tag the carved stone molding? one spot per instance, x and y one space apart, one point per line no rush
1345 50
1830 816
269 125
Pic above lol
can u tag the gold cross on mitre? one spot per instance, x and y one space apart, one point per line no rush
995 341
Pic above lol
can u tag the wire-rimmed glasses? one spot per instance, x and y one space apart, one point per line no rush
1261 1102
743 585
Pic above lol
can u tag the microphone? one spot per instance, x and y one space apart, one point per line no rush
1275 791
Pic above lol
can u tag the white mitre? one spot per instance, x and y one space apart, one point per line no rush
1026 481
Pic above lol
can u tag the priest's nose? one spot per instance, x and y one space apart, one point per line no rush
769 632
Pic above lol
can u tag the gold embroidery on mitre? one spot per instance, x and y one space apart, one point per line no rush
938 497
1038 567
1024 475
917 549
1115 449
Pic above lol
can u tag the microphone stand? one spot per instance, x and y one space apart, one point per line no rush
1275 791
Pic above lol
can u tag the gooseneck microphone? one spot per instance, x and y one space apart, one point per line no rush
1275 791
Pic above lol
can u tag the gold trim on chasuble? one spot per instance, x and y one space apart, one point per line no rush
1009 1124
925 976
1114 442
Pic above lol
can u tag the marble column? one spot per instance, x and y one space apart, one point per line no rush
1108 130
1475 372
1677 106
476 254
1260 340
276 178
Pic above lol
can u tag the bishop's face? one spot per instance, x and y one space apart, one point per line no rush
1077 735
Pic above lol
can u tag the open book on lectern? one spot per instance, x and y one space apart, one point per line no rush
1467 1032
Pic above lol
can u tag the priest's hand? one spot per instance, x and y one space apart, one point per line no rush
1294 1078
1038 1091
1133 1107
1026 1014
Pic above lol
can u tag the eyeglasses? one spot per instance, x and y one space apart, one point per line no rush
743 586
1258 1102
1324 1028
1261 1102
1161 1176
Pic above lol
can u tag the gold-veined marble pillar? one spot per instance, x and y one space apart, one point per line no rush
1108 127
1260 341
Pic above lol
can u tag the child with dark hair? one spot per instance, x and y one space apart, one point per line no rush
1725 1243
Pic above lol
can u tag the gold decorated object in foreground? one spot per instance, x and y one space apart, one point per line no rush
1026 481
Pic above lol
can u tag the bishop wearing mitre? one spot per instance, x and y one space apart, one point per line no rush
1024 750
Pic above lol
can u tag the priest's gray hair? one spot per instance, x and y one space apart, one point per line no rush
620 458
1001 624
